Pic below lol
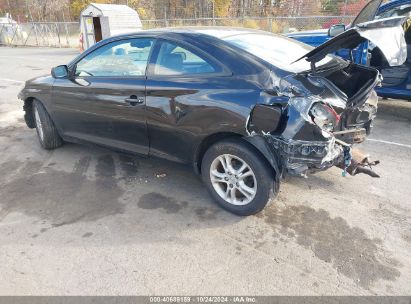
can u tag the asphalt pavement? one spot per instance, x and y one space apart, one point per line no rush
83 220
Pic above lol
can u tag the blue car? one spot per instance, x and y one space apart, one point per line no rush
396 79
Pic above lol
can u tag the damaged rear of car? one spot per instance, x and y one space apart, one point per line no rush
328 104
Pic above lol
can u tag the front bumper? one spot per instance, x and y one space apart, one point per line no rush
20 95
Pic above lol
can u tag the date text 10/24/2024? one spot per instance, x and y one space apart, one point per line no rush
202 299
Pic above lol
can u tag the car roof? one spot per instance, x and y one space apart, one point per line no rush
392 3
191 35
219 32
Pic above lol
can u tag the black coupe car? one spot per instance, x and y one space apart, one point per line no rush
234 103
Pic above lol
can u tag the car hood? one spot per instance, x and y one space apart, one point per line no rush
40 79
387 34
35 85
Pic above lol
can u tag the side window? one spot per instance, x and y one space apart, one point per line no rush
176 60
120 58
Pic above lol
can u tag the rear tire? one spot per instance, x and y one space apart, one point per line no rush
237 177
46 130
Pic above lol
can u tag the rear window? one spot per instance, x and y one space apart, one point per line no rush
277 50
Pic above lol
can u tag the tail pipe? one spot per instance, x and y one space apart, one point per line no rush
360 163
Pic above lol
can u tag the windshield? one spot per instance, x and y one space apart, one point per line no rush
277 50
367 13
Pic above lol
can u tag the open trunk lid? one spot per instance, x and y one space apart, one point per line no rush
387 34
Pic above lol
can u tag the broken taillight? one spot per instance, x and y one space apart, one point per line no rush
324 116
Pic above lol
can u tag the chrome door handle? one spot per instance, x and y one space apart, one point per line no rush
134 100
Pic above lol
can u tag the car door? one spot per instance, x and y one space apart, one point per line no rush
182 85
374 10
103 101
360 54
398 78
317 37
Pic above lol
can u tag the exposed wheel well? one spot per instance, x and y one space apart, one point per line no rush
212 139
28 112
208 142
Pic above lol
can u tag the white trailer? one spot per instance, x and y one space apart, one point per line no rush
100 21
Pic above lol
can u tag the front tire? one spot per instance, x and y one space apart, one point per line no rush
46 130
237 177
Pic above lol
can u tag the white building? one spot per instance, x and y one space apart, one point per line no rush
100 21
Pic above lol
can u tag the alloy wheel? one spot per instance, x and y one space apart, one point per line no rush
38 123
233 179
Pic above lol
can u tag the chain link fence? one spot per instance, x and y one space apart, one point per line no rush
66 34
271 24
50 34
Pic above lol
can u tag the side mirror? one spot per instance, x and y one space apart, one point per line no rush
335 30
60 71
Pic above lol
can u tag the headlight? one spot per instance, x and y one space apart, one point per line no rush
324 116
